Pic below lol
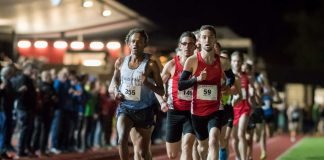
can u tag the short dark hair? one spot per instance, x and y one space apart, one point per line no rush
196 33
208 27
187 34
225 52
137 30
249 66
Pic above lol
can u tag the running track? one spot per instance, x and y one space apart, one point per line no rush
276 146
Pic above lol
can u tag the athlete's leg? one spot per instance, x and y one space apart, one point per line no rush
135 137
142 143
124 125
249 141
227 138
222 139
173 149
243 121
236 142
202 148
174 127
263 141
188 140
213 143
195 154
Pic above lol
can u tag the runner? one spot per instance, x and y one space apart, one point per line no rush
136 78
294 117
256 118
228 115
206 92
241 108
267 96
177 103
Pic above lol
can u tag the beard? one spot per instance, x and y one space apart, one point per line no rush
208 48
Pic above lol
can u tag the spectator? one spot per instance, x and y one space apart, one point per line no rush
7 95
108 108
26 102
47 99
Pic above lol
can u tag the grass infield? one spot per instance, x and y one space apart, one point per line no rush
309 148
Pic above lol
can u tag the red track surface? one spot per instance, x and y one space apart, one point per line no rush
275 146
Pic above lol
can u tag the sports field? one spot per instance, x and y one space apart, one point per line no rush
309 148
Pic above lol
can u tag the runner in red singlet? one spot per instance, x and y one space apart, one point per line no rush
241 107
203 72
177 103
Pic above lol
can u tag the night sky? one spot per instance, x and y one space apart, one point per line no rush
264 21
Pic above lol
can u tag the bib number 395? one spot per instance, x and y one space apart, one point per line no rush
131 92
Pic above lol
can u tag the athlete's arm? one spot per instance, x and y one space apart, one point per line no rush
166 74
236 91
257 93
152 70
115 81
167 71
230 77
252 95
185 82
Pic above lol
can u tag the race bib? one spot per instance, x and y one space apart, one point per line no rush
131 92
207 92
185 94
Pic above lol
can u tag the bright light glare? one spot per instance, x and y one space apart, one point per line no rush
87 3
113 45
91 63
24 44
96 45
60 44
77 45
40 44
106 12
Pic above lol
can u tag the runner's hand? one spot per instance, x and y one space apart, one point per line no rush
202 76
119 96
164 107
